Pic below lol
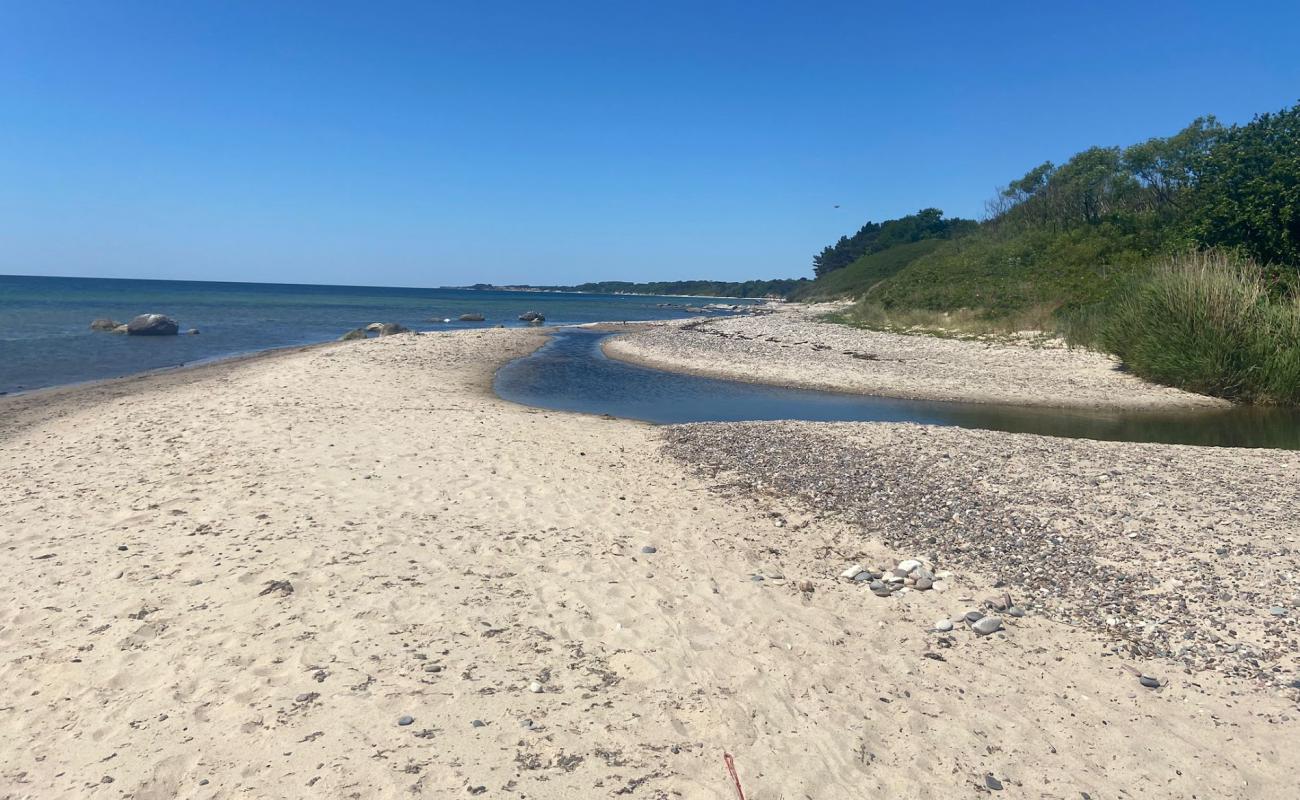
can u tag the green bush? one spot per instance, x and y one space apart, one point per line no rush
1209 322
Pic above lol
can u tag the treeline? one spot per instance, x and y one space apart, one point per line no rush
1109 248
873 237
778 288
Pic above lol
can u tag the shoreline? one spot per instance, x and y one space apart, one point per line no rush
789 348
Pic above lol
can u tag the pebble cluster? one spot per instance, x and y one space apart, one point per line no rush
910 573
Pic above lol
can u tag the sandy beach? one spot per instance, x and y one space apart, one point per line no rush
352 571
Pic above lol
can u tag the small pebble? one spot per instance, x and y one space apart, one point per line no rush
478 723
535 687
1277 611
405 720
852 572
121 547
992 782
648 549
1149 682
943 625
1016 611
974 616
433 668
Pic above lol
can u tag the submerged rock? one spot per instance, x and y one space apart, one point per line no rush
471 317
105 324
532 316
153 325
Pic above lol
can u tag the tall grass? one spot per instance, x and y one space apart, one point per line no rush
1208 322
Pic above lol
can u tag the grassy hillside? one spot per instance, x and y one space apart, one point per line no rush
1181 255
1000 273
864 273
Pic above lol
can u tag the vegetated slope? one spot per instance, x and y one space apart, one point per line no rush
1002 273
864 273
1110 249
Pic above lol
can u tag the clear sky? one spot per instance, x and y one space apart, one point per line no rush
424 144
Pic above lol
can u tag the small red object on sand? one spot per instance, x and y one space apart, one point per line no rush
731 768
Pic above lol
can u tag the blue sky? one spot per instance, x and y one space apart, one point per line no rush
429 144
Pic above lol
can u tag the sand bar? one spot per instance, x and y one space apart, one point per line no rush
791 347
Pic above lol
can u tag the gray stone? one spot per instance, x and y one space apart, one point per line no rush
993 783
649 549
1277 611
909 566
862 577
532 316
104 324
535 687
852 572
471 317
986 625
432 668
153 325
924 582
974 616
1016 611
477 723
1149 681
405 720
943 625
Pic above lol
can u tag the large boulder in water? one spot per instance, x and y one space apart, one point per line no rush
153 325
532 316
353 335
387 328
471 318
104 324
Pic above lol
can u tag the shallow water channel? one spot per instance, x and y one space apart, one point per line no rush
571 373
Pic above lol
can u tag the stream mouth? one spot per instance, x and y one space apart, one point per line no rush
571 373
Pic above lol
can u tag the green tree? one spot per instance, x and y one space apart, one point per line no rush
1247 191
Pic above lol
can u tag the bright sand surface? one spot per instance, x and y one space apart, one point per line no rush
447 550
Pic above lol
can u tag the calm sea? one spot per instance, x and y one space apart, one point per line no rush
45 339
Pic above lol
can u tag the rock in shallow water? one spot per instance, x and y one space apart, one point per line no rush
153 325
